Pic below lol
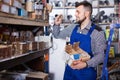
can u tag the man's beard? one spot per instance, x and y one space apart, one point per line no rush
80 21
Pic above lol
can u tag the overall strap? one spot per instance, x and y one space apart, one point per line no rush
91 29
76 28
73 34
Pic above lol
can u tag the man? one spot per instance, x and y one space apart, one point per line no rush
91 38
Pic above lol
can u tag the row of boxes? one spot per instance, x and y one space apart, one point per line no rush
10 6
13 7
15 3
25 8
18 48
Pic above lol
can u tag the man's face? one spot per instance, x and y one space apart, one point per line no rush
80 14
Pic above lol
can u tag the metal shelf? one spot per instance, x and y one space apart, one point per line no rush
18 20
102 6
11 62
20 59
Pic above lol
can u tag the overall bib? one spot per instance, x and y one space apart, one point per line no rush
85 44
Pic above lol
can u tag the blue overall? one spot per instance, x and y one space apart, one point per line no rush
85 44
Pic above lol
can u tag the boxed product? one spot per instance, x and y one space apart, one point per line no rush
32 46
22 47
9 2
41 45
17 4
5 51
32 15
37 76
4 7
22 12
13 10
22 1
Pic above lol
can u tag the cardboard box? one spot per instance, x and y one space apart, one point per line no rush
9 2
13 10
32 15
5 51
22 1
32 46
20 47
29 6
17 4
22 12
37 76
23 47
4 8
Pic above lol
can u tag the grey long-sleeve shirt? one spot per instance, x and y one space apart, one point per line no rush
98 42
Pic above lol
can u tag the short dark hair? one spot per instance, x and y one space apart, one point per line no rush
86 4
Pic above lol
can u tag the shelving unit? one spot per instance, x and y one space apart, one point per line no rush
108 6
64 10
17 19
70 9
10 62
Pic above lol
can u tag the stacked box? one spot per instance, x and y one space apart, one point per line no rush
4 7
41 45
22 47
17 4
5 51
22 12
32 46
11 6
37 76
13 10
8 2
22 1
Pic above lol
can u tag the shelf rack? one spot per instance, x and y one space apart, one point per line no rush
18 20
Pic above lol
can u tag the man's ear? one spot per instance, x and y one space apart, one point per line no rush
87 13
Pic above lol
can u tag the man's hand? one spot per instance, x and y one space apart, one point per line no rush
78 64
58 20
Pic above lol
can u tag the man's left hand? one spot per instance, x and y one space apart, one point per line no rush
78 64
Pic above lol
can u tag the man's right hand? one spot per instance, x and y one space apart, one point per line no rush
58 20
